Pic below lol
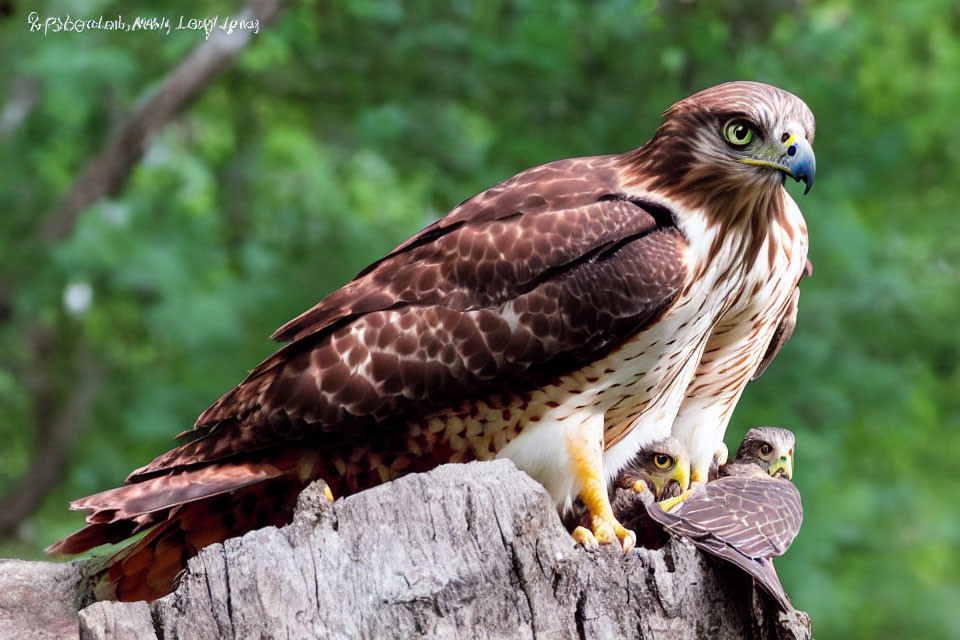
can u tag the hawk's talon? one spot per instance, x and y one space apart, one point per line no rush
639 486
586 452
583 536
605 532
722 454
627 538
608 531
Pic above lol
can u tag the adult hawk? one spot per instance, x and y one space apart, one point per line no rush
556 319
747 516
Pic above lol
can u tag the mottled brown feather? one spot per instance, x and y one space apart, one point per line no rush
759 516
465 336
150 567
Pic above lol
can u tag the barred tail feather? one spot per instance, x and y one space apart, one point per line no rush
151 567
184 512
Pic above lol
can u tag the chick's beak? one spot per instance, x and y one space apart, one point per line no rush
681 474
783 467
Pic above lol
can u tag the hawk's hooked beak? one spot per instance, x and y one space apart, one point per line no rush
795 158
799 162
782 467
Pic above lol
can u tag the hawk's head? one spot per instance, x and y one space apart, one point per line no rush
663 467
729 146
771 448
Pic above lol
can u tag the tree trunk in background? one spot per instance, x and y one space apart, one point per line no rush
465 551
56 428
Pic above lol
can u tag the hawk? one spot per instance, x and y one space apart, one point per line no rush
662 468
768 448
561 319
660 471
747 516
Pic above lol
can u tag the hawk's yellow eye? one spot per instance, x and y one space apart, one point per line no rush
662 460
765 449
738 132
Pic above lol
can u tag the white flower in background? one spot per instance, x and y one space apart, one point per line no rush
114 213
77 298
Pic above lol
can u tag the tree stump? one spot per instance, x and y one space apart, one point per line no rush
464 551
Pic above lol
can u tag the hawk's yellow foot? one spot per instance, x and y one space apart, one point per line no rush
670 503
608 530
605 533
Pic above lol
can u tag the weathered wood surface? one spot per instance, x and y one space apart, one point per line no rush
37 600
465 551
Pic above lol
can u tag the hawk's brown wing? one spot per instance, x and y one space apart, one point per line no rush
502 294
495 246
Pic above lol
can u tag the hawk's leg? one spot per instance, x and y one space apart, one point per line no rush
585 445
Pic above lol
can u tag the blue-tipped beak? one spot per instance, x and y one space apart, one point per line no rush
799 162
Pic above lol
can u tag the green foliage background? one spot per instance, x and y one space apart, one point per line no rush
350 124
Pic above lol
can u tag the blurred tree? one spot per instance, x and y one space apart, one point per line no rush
347 125
56 430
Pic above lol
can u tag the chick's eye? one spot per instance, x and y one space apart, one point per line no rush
765 449
738 132
662 460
